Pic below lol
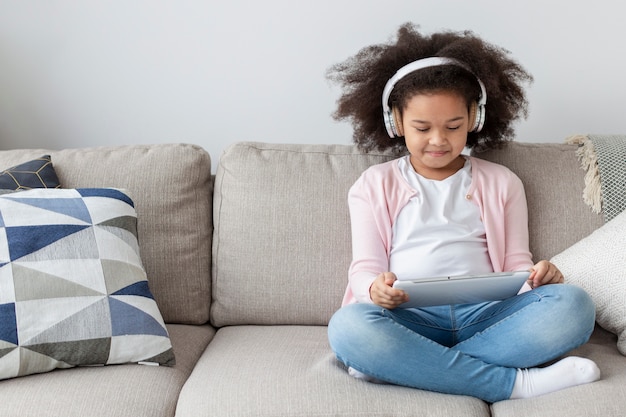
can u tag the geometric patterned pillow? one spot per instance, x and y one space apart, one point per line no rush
73 290
38 173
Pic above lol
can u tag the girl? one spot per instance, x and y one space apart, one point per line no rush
437 212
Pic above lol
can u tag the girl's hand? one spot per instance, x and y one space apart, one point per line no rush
383 294
543 273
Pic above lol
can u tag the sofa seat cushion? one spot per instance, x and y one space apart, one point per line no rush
110 391
602 398
291 371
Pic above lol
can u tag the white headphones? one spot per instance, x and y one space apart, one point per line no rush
393 121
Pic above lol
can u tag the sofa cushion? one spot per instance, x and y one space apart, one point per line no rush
110 391
597 263
554 184
281 246
73 288
171 187
601 398
37 173
291 371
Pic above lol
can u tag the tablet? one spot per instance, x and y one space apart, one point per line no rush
464 289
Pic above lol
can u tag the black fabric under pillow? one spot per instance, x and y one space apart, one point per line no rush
38 173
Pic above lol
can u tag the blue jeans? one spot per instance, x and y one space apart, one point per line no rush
469 349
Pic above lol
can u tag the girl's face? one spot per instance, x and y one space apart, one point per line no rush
435 129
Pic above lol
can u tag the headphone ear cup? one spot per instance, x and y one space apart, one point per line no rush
389 123
397 121
474 117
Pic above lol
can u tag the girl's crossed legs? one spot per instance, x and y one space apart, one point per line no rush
466 349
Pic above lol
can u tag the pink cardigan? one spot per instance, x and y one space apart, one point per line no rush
376 198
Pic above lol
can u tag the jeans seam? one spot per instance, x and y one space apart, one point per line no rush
453 327
384 312
501 322
538 296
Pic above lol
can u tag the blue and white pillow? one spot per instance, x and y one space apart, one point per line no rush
73 290
38 173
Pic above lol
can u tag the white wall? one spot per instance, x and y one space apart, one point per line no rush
89 73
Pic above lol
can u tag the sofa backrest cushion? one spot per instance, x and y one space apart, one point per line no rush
281 246
554 182
171 187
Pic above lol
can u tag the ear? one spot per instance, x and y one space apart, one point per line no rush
397 121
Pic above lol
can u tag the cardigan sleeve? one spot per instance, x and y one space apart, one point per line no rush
516 235
369 251
374 202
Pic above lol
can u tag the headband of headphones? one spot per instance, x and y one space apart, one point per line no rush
390 122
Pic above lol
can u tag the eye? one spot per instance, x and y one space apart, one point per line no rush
454 127
423 129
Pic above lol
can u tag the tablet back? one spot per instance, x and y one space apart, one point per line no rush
467 289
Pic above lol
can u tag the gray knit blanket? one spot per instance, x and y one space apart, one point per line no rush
604 159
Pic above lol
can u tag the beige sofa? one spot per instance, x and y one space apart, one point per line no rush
248 267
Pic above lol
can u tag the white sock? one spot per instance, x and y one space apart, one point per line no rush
360 375
566 373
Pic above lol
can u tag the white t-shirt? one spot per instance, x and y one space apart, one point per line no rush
439 232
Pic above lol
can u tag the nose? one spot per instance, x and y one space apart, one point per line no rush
438 137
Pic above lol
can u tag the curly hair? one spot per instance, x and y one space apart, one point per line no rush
364 75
